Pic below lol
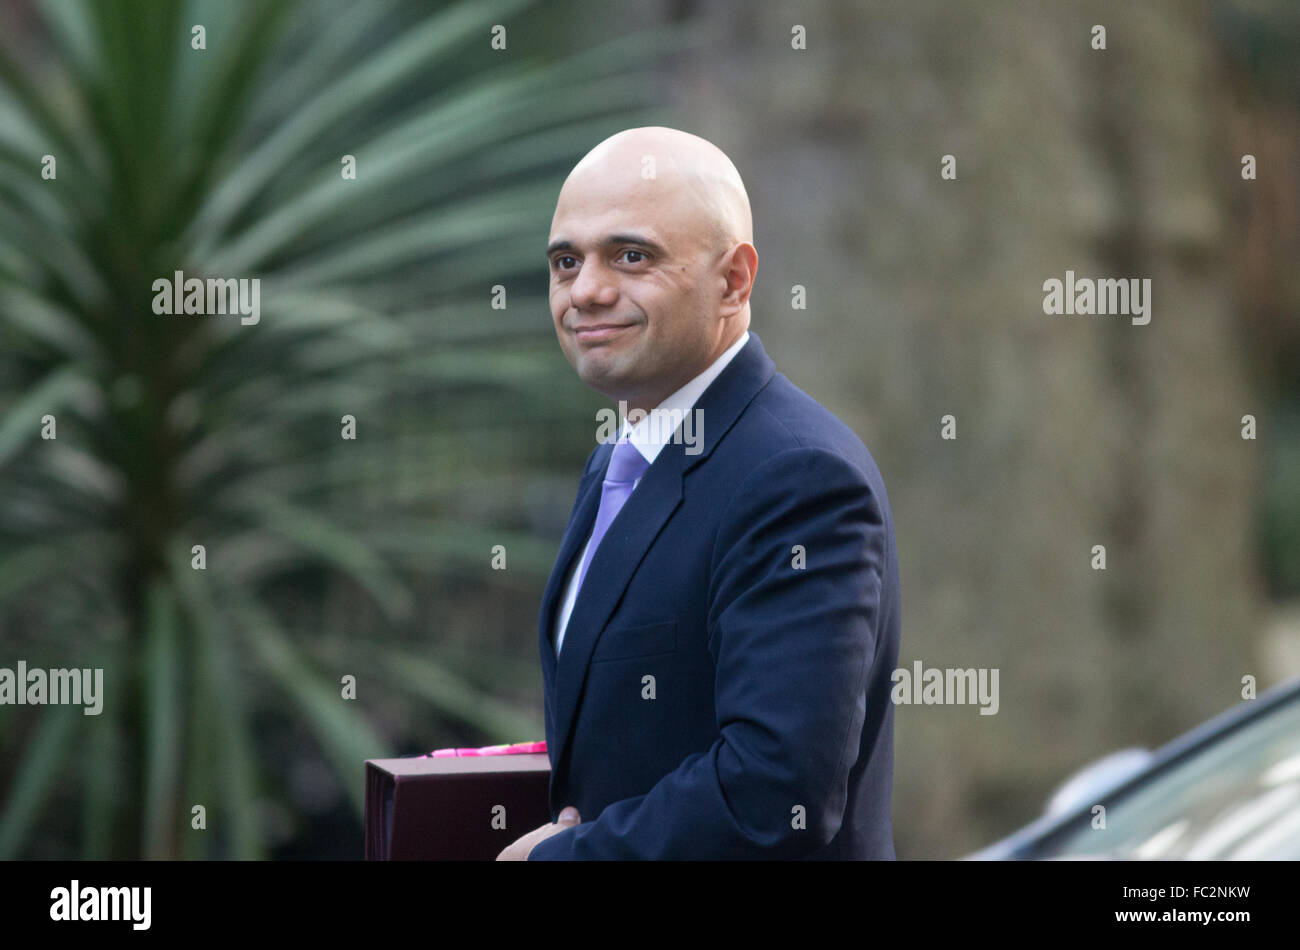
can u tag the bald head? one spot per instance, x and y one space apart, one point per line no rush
692 174
652 261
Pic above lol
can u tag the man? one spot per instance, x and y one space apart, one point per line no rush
719 630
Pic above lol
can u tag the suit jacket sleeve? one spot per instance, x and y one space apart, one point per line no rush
792 643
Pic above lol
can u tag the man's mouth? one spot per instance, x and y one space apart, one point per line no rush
600 331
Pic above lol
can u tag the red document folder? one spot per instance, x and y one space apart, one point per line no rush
454 804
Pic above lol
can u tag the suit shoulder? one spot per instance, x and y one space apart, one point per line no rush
783 416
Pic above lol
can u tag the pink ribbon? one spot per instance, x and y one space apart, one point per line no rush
517 748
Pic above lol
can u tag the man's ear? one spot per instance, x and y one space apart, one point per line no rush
739 268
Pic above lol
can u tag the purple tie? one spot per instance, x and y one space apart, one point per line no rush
626 465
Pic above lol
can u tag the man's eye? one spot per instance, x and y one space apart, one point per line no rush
639 254
559 260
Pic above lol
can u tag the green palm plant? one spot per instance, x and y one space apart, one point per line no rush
173 431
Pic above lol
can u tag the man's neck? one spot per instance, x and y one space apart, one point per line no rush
640 406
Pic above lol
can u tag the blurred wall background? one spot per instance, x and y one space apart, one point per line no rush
371 556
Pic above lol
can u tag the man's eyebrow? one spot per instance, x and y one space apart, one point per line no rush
611 240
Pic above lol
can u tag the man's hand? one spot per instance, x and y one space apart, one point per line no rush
519 850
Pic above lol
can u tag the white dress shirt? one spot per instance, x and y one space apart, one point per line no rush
650 440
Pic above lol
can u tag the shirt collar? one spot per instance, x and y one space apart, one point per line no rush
650 435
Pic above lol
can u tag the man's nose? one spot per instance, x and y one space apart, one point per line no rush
594 285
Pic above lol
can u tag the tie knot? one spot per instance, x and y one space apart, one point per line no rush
627 464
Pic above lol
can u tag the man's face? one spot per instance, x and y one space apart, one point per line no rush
631 286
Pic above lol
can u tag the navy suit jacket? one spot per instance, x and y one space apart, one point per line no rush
723 691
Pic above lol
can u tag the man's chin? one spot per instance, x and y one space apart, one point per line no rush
604 380
598 370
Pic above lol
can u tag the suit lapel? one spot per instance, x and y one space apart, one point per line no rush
629 537
580 524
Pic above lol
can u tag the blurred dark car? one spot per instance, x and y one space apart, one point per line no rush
1227 790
